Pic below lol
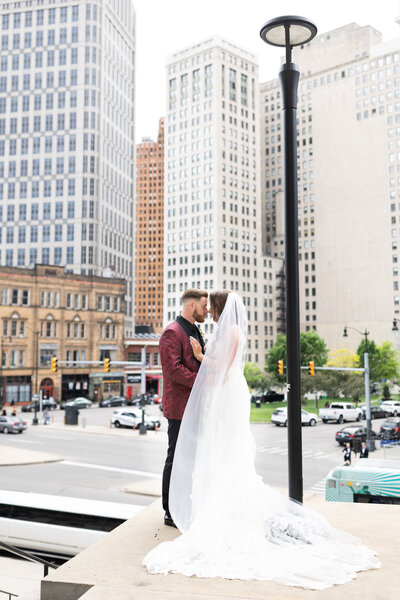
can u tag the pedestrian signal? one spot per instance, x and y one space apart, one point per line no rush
311 370
280 367
107 364
54 365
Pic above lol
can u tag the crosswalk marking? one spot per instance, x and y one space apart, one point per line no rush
319 487
281 451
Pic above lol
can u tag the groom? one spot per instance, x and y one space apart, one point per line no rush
180 369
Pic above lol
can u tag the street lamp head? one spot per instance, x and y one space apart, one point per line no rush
288 31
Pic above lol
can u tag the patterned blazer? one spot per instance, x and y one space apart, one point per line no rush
179 368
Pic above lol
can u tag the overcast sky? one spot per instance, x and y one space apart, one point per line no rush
165 26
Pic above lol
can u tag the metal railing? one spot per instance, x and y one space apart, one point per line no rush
9 594
27 556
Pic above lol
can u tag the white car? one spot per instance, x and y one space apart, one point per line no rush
391 406
126 417
279 417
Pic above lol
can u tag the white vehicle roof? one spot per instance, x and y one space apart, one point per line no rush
68 504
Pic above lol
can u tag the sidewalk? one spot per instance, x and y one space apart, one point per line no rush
10 456
111 568
152 436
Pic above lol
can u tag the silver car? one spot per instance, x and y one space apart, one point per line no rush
12 425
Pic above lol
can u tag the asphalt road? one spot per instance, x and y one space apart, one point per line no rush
100 466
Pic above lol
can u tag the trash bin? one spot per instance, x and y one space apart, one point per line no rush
71 415
357 445
258 403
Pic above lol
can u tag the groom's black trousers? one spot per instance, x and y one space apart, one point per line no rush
173 431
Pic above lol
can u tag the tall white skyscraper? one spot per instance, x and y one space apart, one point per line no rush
212 185
348 179
67 136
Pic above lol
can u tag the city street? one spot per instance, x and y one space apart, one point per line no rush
99 465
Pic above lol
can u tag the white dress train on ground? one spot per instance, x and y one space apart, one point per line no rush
233 525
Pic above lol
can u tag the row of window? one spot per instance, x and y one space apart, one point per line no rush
64 13
46 212
15 42
46 230
19 257
17 296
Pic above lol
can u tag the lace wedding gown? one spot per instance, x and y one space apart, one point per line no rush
233 525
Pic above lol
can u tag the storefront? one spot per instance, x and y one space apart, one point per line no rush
74 385
15 389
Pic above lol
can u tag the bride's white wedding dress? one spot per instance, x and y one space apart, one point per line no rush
233 525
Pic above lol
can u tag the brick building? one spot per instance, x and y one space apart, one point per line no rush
149 232
47 312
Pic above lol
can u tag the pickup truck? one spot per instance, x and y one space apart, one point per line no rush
340 411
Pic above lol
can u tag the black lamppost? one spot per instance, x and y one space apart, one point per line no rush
35 420
365 333
287 32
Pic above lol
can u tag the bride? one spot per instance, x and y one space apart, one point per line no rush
233 525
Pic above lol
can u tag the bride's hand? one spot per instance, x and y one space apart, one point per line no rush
196 348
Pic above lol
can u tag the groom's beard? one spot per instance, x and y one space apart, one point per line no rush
199 317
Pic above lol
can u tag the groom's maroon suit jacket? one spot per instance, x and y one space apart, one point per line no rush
179 368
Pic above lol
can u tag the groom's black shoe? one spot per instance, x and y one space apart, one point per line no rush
168 521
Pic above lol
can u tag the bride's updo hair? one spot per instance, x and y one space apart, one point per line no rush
217 302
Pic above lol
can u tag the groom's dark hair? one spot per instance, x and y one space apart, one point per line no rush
194 294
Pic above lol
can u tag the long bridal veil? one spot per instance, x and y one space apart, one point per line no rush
233 525
204 433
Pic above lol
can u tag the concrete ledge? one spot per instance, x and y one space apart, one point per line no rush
147 487
111 568
10 456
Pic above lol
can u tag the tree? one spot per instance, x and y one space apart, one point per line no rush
342 358
253 375
353 386
312 347
383 360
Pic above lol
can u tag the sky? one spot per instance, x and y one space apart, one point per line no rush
166 26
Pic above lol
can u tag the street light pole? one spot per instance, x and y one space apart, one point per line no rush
287 32
365 333
35 420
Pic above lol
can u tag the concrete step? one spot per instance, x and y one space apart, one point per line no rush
111 568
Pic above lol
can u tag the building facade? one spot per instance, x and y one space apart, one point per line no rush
66 136
149 236
212 186
348 182
48 312
152 372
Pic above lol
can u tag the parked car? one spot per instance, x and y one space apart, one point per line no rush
377 412
352 432
124 417
12 424
390 429
77 402
113 401
341 411
279 417
48 403
392 407
270 396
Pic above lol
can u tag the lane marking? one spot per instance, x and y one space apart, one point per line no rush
72 463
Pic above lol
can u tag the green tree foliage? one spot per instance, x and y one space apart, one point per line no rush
383 360
312 347
253 375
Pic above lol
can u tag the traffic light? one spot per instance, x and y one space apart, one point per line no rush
311 370
54 365
107 364
280 367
